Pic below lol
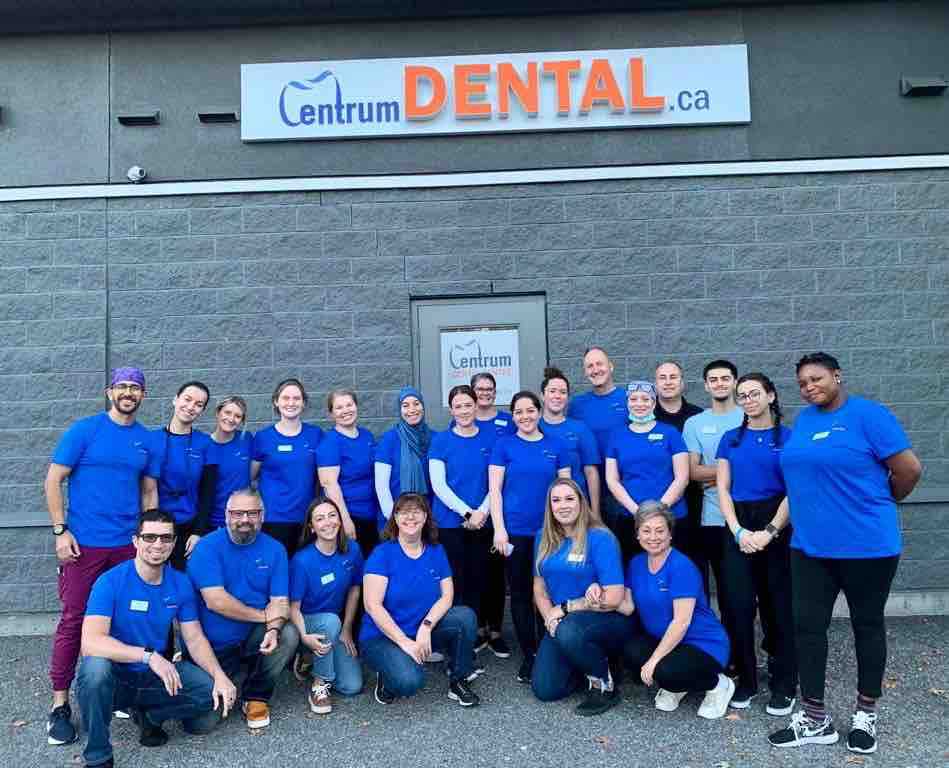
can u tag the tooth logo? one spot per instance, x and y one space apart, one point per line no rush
335 112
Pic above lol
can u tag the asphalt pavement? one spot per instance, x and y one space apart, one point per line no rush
511 728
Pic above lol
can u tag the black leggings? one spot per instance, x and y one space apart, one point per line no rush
520 575
760 583
367 535
815 584
467 555
287 534
494 591
684 668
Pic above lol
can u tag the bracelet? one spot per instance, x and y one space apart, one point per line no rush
739 531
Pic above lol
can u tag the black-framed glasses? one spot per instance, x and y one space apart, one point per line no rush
164 538
134 389
753 396
250 514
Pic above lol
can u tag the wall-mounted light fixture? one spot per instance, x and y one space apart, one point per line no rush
919 85
218 115
143 117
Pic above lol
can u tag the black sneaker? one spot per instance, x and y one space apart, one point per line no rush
482 640
149 735
459 691
499 648
742 698
802 730
779 704
59 727
598 701
863 733
382 695
526 669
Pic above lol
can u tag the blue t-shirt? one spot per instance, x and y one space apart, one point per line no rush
601 413
581 447
644 461
529 469
466 471
252 573
287 477
702 434
107 462
322 582
567 576
755 463
233 470
182 460
838 482
501 425
414 586
142 613
653 594
354 457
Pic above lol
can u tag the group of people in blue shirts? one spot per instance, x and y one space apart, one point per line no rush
602 515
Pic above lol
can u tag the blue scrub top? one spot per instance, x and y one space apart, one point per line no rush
287 478
601 413
182 461
107 461
529 469
644 461
466 471
838 482
581 446
322 582
233 470
568 575
755 463
355 457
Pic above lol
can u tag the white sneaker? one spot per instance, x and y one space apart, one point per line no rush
667 701
715 703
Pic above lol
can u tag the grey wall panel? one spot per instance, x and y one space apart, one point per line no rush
54 101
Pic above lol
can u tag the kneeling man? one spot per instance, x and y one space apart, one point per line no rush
124 633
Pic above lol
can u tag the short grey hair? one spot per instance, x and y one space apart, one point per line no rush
252 492
652 508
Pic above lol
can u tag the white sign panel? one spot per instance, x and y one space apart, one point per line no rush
465 353
484 93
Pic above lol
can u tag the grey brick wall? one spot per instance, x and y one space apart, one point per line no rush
242 290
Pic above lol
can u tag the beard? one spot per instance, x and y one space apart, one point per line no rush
243 537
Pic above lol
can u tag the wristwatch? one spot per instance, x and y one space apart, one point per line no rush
59 529
466 516
772 530
147 655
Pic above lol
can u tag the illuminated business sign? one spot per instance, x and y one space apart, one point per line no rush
633 88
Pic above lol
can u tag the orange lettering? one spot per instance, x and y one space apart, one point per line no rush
412 76
510 82
562 72
638 100
466 90
601 88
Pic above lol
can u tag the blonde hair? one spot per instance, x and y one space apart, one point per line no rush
552 535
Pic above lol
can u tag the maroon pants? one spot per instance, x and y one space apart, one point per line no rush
75 584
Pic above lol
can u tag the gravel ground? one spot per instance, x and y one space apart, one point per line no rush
510 728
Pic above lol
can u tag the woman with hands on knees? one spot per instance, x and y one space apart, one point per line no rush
407 593
684 647
578 587
523 465
325 587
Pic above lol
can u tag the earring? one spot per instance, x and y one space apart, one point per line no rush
837 379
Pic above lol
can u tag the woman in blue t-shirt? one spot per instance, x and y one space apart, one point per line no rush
578 587
345 461
401 464
846 465
284 464
646 459
408 593
756 566
684 647
522 468
325 585
230 452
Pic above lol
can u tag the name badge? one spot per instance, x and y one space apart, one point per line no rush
709 429
285 448
654 437
139 605
820 435
500 422
327 578
575 557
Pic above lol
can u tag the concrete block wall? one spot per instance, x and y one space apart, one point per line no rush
242 290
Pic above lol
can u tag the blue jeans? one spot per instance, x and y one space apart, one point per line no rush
337 666
454 636
581 647
104 685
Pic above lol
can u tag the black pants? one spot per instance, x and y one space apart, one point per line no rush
182 531
520 576
760 583
816 582
467 555
494 589
287 534
367 536
684 668
623 526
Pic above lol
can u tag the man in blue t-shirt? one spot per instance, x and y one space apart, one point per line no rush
129 614
111 474
243 577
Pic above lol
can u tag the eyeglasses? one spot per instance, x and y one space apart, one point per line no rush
164 538
411 512
485 390
250 514
753 396
135 389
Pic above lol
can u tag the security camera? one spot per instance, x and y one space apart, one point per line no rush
136 174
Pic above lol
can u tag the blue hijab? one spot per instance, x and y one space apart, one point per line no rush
413 454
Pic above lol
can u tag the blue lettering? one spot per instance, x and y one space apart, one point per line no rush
325 112
283 109
307 114
701 99
685 100
387 111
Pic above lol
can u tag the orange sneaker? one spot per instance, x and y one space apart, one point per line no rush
321 702
257 714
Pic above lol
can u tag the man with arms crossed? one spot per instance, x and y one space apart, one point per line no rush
111 476
128 618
